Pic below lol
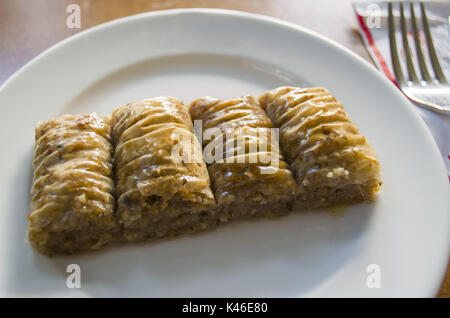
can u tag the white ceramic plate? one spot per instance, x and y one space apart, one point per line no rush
190 53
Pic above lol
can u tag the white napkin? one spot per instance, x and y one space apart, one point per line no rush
372 18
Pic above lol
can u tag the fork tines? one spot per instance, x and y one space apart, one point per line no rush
411 69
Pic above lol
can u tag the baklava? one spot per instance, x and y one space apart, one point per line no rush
162 182
248 173
72 202
332 162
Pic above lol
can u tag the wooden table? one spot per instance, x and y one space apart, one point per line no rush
29 27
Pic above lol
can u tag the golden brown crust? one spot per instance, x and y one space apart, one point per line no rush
162 183
72 188
252 172
320 142
153 185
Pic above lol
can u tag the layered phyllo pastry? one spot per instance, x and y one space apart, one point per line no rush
163 185
332 162
158 168
72 202
248 173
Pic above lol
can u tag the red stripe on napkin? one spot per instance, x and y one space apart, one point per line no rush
375 50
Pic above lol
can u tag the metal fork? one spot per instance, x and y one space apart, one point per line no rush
430 90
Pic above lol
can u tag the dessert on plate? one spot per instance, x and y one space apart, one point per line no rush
332 162
159 193
72 202
158 168
249 177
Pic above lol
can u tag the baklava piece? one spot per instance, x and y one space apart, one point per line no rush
162 182
332 162
72 202
248 173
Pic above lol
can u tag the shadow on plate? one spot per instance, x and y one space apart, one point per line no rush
284 257
217 75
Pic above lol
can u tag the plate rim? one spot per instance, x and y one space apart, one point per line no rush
365 65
